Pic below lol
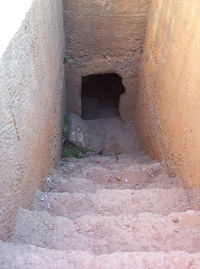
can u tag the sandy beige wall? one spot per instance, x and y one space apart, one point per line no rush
168 110
31 84
104 36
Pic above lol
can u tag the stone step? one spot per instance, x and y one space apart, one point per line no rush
141 181
113 202
107 234
105 160
114 174
13 256
98 172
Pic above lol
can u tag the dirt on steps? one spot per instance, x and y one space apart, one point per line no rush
107 234
115 172
127 171
114 202
13 256
59 184
108 212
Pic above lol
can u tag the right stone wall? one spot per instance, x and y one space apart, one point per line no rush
168 107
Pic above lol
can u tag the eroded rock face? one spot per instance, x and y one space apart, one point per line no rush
104 37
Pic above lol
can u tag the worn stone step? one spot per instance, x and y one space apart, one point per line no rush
99 172
13 256
105 160
113 202
59 184
107 234
132 174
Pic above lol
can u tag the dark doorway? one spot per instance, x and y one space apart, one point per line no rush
100 95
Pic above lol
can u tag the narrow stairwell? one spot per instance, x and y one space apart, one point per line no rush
119 211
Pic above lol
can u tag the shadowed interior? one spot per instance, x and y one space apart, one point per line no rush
101 95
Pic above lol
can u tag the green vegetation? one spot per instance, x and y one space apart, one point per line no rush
66 129
65 60
75 152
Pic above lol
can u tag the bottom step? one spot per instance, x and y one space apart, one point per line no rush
108 234
29 257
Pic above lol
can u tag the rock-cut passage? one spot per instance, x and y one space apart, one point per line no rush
101 95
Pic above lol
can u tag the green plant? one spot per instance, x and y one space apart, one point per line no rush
65 60
75 152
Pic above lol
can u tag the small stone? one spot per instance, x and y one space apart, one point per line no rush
175 220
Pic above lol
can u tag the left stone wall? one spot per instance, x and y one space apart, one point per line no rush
31 93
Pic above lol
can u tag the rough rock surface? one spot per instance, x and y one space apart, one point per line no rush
118 136
113 202
14 256
107 234
82 135
108 136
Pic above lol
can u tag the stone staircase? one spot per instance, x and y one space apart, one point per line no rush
107 212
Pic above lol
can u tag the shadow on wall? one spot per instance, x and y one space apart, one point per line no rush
100 96
29 134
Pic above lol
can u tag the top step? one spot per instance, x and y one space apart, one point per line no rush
98 172
105 162
140 181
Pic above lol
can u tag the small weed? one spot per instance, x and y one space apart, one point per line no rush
65 60
75 152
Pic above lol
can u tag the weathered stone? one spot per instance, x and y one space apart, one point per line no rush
14 256
106 234
82 135
113 202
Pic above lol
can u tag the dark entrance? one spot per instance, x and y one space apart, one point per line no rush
100 95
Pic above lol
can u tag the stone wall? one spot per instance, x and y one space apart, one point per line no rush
104 36
31 85
168 110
